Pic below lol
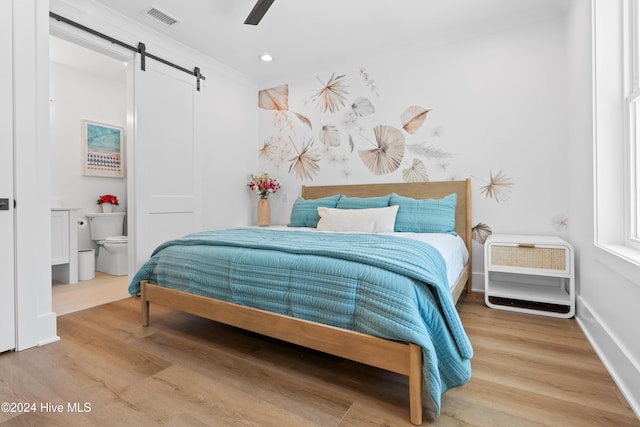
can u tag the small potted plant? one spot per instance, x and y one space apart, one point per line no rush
107 202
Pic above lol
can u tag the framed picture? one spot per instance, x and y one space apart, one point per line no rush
102 150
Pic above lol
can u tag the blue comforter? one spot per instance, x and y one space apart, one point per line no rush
386 286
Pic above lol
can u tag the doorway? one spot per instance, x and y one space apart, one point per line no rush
87 84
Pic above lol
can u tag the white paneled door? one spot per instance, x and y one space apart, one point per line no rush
167 163
7 270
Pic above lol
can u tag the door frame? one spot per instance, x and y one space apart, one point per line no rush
82 38
8 330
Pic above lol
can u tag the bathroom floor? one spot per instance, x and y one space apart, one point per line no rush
103 289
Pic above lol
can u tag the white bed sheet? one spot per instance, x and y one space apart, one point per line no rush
451 247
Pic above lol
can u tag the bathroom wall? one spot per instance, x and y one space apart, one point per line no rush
78 94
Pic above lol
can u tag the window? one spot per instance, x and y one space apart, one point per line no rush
616 92
632 91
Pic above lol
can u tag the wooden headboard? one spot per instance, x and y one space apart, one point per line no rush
417 190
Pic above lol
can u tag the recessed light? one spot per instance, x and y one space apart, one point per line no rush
266 57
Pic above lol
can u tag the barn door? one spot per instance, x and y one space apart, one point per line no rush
167 166
7 266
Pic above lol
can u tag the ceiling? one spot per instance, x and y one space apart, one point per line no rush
79 57
305 34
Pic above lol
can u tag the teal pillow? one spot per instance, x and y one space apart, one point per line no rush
425 215
305 212
363 202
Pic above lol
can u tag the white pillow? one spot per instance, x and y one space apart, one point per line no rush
374 220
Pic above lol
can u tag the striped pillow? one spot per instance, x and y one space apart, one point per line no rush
425 215
305 212
363 202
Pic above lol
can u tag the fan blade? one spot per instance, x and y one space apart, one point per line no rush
258 12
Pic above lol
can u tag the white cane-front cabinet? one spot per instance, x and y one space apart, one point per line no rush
530 274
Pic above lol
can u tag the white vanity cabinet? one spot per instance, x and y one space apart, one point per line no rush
64 245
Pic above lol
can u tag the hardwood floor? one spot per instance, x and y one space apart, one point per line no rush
104 288
183 370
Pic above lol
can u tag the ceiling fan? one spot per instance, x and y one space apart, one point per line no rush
258 12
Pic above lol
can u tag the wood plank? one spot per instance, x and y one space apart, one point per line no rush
219 374
317 399
200 396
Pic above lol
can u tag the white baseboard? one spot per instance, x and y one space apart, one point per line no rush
622 368
49 341
477 282
48 325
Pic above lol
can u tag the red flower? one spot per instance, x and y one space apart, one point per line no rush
263 185
107 198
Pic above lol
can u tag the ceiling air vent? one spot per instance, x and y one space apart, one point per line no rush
155 13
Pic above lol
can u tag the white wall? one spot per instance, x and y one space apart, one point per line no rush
498 101
35 321
608 296
81 95
230 131
233 93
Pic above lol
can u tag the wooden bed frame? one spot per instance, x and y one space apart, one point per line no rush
402 358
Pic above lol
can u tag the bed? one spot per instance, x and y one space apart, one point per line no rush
374 338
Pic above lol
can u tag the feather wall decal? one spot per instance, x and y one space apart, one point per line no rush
428 151
305 164
389 151
416 173
480 232
362 107
412 118
275 98
304 120
499 187
329 136
333 94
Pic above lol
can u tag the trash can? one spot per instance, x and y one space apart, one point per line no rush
86 264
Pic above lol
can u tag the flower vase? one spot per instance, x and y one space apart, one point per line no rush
107 207
264 213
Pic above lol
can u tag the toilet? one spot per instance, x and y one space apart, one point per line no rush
106 230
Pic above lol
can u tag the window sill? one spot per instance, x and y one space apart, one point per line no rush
622 259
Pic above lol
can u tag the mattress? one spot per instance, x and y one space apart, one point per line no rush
451 247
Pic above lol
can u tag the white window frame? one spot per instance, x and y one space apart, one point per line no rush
632 101
615 200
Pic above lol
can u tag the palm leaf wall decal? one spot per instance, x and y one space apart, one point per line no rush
275 98
480 232
305 164
499 187
333 94
267 151
416 173
329 136
413 117
362 107
389 151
